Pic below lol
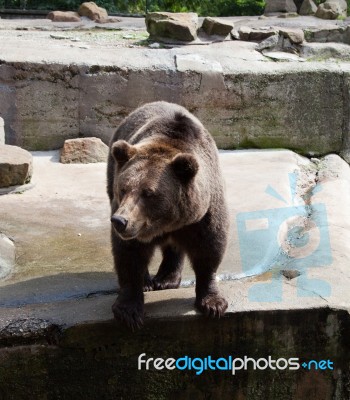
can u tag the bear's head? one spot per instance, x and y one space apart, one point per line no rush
155 190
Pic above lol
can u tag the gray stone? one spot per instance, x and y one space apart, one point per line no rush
325 51
256 35
7 256
269 43
16 166
63 16
216 26
296 36
331 33
276 6
244 33
92 11
332 9
84 151
281 56
174 26
2 131
308 8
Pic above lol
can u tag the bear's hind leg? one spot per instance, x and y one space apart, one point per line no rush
147 282
170 269
206 250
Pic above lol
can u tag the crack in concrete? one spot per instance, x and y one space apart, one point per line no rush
297 285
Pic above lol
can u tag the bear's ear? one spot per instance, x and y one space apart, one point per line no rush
185 166
122 152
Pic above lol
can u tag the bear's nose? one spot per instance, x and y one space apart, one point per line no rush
119 223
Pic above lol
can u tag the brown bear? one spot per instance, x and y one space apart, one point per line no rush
165 189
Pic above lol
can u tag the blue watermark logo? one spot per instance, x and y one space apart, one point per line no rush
230 363
294 237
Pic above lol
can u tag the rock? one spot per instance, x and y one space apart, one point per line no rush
269 43
63 16
296 36
154 45
235 34
337 34
325 51
174 26
244 33
84 151
7 255
216 26
256 35
276 6
92 11
109 20
308 8
2 131
281 56
16 166
332 9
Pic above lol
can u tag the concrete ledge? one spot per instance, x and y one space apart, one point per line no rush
72 356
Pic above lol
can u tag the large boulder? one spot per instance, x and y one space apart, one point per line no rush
16 166
92 11
276 6
216 26
332 9
163 26
308 8
84 151
64 16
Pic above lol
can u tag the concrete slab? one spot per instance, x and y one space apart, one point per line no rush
288 214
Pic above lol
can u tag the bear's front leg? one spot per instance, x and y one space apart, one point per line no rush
206 250
131 259
208 299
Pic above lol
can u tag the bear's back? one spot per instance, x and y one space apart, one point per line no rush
160 118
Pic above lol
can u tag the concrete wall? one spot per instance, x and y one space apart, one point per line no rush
304 109
91 361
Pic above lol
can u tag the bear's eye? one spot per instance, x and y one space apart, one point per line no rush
122 192
147 193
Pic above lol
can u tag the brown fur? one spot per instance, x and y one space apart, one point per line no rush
165 189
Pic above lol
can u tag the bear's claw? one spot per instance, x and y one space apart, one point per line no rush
129 312
212 305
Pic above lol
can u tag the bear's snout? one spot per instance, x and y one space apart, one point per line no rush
119 223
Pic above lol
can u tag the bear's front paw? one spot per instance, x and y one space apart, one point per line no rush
212 305
130 312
